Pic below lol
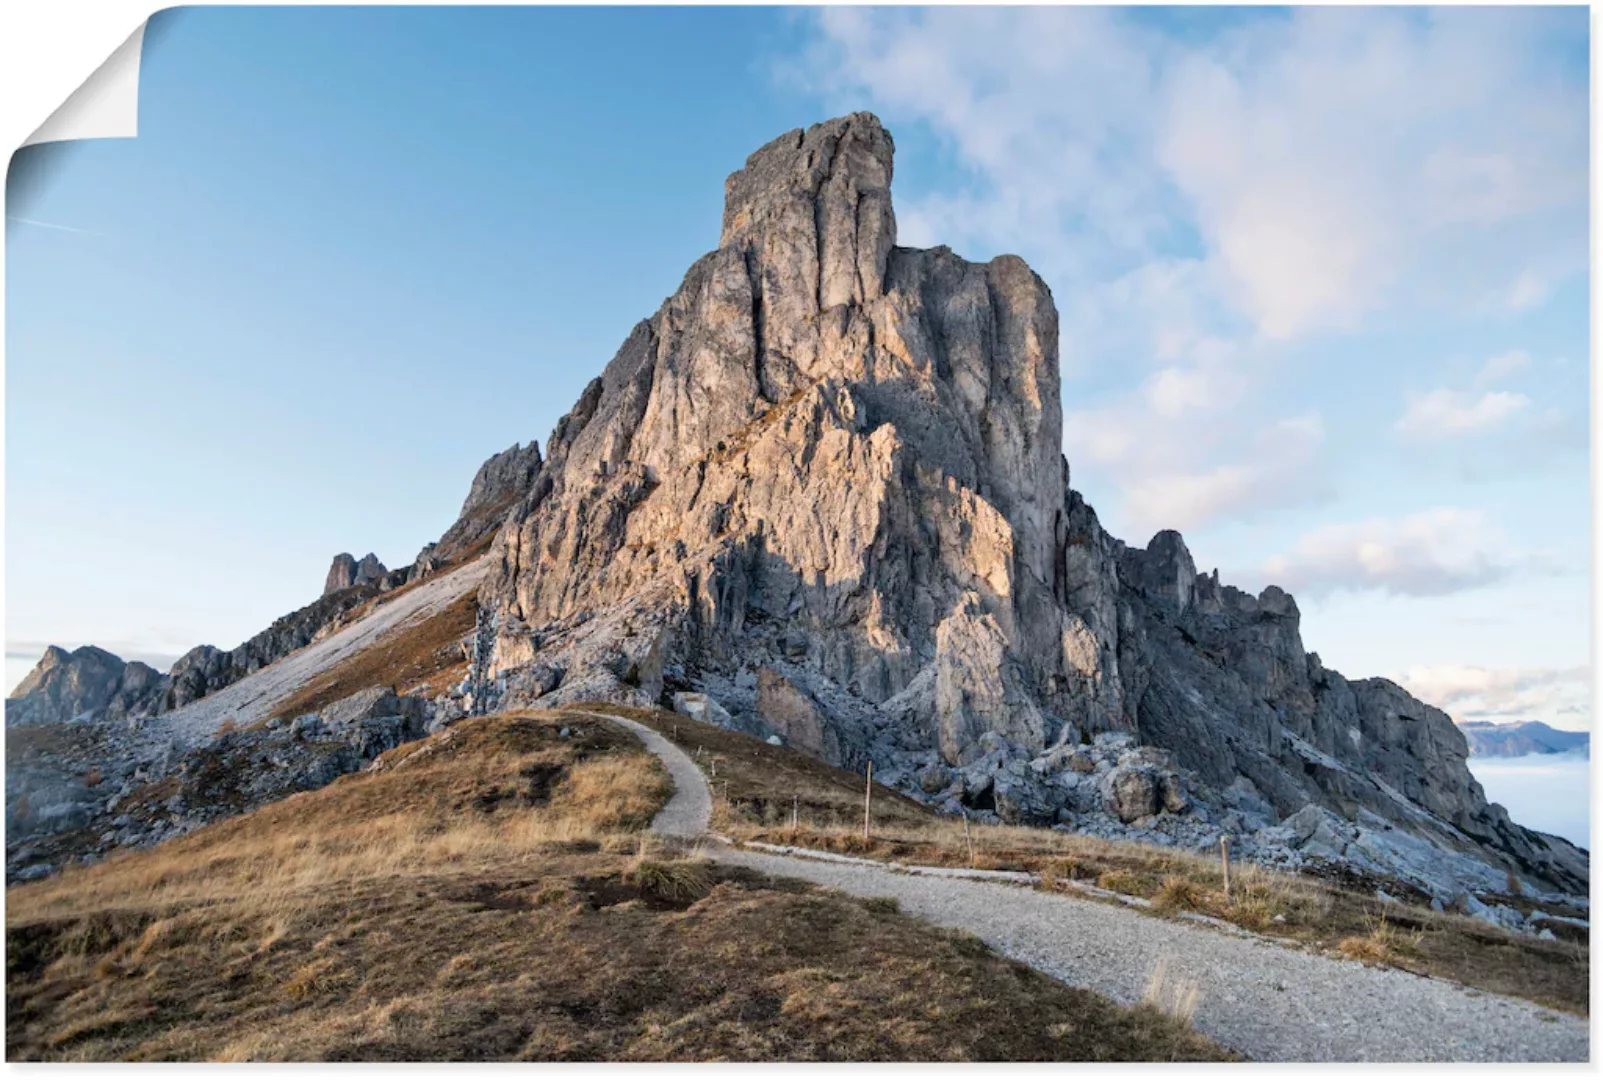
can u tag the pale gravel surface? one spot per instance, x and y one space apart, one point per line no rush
255 696
1268 1001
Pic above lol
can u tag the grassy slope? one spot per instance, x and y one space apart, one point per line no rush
765 783
481 894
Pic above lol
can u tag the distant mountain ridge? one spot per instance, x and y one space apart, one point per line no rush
1487 739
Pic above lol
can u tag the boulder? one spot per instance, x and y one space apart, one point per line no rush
1132 792
794 714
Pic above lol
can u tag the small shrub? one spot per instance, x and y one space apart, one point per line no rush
883 905
675 881
1514 888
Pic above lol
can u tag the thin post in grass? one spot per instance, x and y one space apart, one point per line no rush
968 838
795 813
868 798
1224 857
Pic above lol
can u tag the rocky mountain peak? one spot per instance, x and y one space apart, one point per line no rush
822 489
831 184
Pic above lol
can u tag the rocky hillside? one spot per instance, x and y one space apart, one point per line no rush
830 467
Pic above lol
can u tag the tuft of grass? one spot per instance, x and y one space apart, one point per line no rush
883 905
1120 881
1383 944
675 881
1173 996
1178 893
1060 870
317 979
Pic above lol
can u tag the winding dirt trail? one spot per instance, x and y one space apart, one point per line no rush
1269 1001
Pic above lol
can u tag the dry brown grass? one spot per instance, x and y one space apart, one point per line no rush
1384 944
671 880
1172 995
763 780
1179 893
479 896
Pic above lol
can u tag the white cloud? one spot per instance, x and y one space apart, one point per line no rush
1501 366
1155 461
1442 414
1529 290
1557 696
1432 553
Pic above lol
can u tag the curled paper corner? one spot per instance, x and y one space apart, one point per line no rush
106 106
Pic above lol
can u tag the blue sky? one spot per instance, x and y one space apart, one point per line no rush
1322 274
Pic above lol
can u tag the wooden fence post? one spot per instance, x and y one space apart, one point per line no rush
795 813
1224 855
868 796
969 838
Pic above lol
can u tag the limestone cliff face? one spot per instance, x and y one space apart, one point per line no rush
836 462
820 430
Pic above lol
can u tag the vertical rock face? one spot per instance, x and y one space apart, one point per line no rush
818 430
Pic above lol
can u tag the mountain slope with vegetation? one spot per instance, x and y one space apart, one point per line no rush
487 893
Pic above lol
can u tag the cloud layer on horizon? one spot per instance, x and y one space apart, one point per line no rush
1561 697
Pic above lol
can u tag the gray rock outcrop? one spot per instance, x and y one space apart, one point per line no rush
86 683
347 572
497 486
837 458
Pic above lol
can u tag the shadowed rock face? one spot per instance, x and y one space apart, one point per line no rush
837 462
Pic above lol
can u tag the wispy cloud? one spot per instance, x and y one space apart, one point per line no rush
36 223
1502 366
1432 553
1444 413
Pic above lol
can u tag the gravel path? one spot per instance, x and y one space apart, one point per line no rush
1268 1001
257 694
